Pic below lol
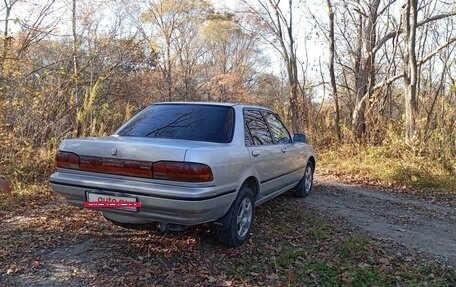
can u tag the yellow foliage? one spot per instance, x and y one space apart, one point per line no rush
219 29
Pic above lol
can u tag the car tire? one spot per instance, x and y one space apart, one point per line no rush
305 185
240 219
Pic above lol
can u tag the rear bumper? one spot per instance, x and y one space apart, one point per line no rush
185 205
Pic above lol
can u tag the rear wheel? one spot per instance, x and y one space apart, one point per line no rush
240 219
304 187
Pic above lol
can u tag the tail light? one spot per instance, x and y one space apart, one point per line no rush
167 170
116 166
67 160
182 171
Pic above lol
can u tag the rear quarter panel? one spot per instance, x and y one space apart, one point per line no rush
230 163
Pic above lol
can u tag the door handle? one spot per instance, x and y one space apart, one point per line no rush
255 153
284 150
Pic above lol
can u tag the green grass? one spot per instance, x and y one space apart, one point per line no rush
288 257
368 277
353 246
319 229
320 271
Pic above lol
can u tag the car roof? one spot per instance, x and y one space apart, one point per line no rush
214 104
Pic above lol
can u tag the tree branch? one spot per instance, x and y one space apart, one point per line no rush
430 55
392 34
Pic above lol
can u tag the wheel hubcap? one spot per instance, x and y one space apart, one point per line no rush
244 218
308 179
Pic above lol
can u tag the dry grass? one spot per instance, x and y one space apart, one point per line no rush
389 165
24 166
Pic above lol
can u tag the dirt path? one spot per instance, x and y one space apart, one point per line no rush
411 222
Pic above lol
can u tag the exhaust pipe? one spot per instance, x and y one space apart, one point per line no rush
162 227
165 227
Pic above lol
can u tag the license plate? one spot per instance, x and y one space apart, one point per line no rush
108 198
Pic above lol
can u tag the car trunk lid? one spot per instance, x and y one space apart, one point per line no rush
139 157
132 148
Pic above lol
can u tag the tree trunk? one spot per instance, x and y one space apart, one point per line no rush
5 33
410 79
358 121
295 117
293 78
293 73
283 30
331 71
3 77
364 67
76 71
169 79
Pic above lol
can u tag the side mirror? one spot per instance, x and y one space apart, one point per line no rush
300 138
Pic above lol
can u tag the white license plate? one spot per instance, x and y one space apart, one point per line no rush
107 198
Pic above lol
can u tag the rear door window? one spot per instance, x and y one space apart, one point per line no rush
256 129
187 122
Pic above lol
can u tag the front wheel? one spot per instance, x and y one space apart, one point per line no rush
304 187
240 219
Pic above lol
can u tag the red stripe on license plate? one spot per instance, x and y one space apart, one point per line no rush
95 204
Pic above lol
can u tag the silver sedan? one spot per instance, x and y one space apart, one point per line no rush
182 164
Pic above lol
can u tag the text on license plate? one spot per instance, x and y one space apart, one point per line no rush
98 200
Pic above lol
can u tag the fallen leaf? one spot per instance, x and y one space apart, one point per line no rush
384 261
291 277
273 276
13 269
345 277
10 271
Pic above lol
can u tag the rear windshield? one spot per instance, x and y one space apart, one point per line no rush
186 122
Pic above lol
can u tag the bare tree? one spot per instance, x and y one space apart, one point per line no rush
280 23
410 71
331 70
366 37
232 58
8 7
75 48
168 18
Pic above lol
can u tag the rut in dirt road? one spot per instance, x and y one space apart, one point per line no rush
411 222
